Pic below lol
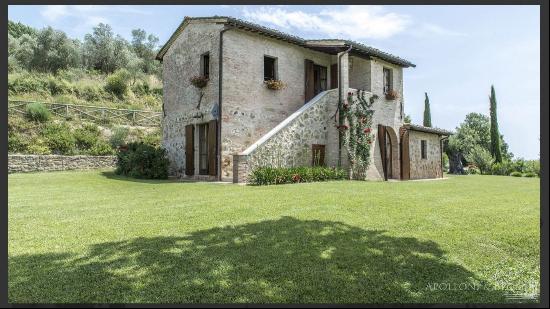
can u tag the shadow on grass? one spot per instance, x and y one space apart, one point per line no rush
284 260
112 175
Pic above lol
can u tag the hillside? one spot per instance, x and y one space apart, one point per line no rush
104 69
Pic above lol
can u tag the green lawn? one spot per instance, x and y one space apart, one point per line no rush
96 237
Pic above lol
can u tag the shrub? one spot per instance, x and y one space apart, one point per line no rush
481 158
474 171
101 148
39 147
152 138
141 89
533 166
37 112
117 83
59 138
58 86
530 174
87 136
17 143
503 168
119 137
282 175
445 162
516 174
139 160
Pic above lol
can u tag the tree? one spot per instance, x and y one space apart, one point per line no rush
474 131
496 151
104 51
17 29
54 51
145 48
481 157
427 113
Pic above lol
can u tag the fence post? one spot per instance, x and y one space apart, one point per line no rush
66 111
133 117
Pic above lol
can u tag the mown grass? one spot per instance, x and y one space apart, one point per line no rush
96 237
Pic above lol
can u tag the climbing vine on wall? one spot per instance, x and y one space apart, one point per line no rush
358 135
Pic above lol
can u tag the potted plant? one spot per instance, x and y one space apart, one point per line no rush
274 84
392 95
199 81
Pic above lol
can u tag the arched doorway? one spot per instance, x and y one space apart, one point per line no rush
389 151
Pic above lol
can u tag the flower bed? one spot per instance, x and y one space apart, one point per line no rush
282 175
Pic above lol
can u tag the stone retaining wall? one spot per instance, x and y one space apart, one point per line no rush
289 144
38 163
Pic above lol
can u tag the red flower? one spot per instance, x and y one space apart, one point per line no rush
350 94
367 130
296 178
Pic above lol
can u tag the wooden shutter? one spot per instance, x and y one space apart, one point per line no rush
309 86
382 146
212 147
189 150
405 158
334 76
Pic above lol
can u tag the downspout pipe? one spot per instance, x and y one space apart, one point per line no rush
340 95
220 84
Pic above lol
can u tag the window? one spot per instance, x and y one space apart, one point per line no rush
424 149
270 68
387 80
205 65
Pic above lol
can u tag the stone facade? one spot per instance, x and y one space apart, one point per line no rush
40 163
250 111
431 166
290 143
180 98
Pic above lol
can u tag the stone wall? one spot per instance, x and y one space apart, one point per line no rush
180 98
249 109
431 166
36 163
289 144
387 112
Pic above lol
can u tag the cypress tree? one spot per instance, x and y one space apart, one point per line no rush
427 113
495 135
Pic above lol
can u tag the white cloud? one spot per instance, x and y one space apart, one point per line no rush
354 22
90 15
428 29
54 12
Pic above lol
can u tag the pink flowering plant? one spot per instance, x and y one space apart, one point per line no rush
357 130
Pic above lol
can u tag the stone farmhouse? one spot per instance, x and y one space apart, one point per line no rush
238 96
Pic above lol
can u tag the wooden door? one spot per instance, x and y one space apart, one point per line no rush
318 155
405 158
189 150
334 76
382 146
212 147
309 81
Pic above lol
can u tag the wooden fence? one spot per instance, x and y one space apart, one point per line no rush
94 113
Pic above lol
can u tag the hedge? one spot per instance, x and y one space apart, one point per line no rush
283 175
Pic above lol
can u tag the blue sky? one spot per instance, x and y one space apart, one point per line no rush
459 50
